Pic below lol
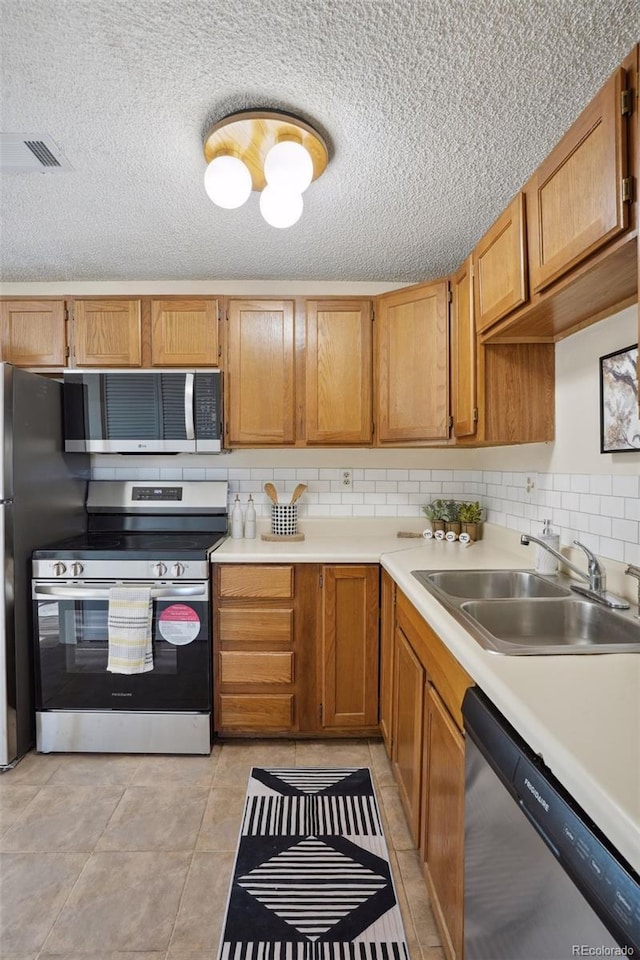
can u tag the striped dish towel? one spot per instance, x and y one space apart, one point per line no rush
129 623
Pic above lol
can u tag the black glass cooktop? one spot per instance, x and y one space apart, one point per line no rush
132 546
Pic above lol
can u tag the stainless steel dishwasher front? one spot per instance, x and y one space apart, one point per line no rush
541 882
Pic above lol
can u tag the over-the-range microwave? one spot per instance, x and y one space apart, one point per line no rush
143 411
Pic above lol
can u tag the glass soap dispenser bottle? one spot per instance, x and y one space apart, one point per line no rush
546 563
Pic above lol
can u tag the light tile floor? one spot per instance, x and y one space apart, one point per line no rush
115 857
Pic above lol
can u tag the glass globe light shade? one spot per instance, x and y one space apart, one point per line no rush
228 182
280 208
288 166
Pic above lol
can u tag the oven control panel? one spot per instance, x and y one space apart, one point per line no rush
170 569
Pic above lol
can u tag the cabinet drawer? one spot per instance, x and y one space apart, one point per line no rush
247 668
270 581
255 626
268 712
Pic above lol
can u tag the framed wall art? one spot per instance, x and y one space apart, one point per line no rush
619 419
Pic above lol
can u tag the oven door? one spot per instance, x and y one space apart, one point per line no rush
72 648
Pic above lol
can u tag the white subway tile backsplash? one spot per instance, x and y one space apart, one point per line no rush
580 483
625 486
601 484
625 530
602 511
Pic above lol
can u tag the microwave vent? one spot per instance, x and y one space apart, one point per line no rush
31 153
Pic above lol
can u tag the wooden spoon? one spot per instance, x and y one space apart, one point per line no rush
271 492
297 493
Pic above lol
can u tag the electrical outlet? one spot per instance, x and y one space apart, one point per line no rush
346 479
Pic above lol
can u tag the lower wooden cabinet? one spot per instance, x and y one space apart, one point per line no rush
295 649
427 757
408 744
387 653
442 844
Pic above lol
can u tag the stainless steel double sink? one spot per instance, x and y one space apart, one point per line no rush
519 612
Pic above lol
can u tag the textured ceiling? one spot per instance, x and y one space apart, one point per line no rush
435 111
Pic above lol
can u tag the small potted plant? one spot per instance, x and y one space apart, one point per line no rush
471 518
452 517
434 512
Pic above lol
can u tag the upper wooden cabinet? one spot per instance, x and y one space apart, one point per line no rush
500 266
107 333
577 192
464 401
412 365
260 378
34 333
184 333
339 345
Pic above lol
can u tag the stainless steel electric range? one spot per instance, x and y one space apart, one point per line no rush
158 535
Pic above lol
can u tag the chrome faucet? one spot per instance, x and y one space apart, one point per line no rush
595 576
635 572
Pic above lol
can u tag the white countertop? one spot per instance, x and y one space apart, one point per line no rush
580 712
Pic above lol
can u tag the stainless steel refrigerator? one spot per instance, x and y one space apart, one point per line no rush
42 497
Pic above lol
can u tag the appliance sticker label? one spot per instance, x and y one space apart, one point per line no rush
179 624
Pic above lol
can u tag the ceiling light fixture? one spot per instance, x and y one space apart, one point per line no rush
273 153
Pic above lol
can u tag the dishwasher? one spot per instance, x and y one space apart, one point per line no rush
541 882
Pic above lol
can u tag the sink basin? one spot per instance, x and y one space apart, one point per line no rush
540 625
518 612
492 584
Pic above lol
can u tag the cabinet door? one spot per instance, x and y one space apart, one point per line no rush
338 372
107 333
349 685
445 824
261 372
406 757
464 402
184 333
34 333
413 364
578 202
387 644
500 266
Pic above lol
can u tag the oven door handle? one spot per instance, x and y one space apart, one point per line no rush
44 592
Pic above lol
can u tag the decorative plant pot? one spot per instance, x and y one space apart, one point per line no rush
473 529
454 526
437 525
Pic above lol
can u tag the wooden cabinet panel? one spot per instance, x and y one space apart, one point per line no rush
500 266
34 333
464 401
578 203
413 365
256 711
406 757
445 824
518 388
184 333
249 668
268 581
107 333
255 625
387 645
338 372
349 646
261 372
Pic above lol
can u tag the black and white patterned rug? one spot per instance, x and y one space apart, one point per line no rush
312 879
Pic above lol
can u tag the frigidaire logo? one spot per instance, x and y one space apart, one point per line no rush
530 787
114 694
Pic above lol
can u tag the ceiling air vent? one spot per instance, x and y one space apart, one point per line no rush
31 153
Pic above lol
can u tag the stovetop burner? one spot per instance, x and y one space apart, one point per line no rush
132 546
